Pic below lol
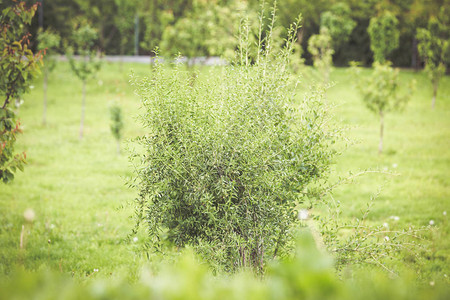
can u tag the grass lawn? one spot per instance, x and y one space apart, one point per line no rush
79 194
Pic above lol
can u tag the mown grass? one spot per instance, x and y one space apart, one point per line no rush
78 191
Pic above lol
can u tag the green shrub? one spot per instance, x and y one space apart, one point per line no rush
226 162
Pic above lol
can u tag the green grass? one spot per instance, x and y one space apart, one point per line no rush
77 188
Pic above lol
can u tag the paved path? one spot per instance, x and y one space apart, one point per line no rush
145 59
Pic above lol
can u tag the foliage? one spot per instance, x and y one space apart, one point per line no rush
18 65
434 48
209 29
124 20
83 44
338 22
319 45
384 36
226 161
116 123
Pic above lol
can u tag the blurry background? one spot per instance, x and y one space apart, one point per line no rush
198 28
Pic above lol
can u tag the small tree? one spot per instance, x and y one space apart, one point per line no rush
338 22
384 36
380 93
433 47
116 124
319 45
48 42
88 62
18 66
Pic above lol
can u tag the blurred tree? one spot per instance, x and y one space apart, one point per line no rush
434 47
338 22
209 29
88 62
319 45
18 66
116 124
49 42
380 92
384 35
100 13
124 20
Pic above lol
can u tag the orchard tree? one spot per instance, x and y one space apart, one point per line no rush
381 92
338 22
319 45
86 65
48 42
434 46
384 35
18 66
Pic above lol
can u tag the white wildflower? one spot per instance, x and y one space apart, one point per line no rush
29 215
303 214
394 165
431 222
444 213
135 239
386 225
386 238
95 270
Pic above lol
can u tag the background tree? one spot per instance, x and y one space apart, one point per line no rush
338 22
208 29
125 22
319 45
18 66
116 124
381 93
88 61
384 35
434 48
48 41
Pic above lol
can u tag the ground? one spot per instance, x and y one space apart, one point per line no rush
79 194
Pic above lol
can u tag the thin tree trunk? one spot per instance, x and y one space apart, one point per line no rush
44 115
83 108
435 89
380 146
